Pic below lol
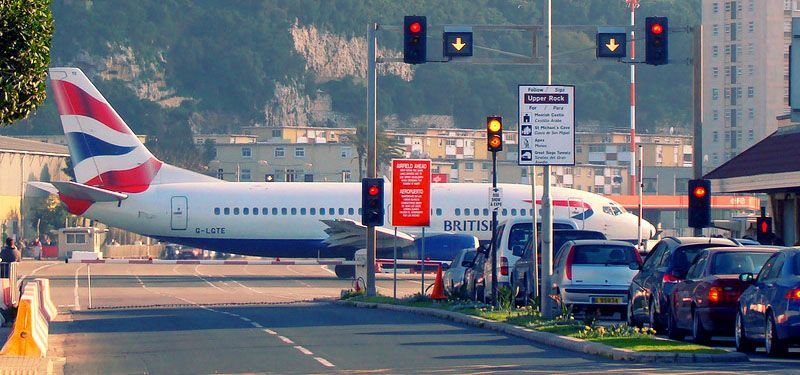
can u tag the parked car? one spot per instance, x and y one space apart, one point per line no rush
769 310
473 277
664 266
705 302
454 277
522 273
513 234
595 274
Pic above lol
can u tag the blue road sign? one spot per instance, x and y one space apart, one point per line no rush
611 44
457 41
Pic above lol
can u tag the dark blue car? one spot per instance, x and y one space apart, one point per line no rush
769 310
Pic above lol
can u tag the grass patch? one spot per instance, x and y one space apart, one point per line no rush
617 336
648 344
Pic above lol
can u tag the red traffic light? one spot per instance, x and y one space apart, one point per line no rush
657 29
764 227
373 190
699 192
415 27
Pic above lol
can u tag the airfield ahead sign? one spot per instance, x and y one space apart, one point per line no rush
411 192
546 125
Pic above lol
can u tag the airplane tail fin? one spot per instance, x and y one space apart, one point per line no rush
105 152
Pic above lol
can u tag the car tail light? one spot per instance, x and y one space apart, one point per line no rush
670 278
504 266
714 294
638 257
570 259
793 294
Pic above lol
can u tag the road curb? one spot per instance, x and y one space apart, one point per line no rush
551 339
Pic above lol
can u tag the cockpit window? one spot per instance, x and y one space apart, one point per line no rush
613 209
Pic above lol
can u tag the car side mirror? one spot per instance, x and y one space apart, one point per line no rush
634 266
747 277
467 264
484 249
517 250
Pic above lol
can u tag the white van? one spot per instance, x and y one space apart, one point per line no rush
513 233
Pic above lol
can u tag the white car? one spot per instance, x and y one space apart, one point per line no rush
454 277
595 275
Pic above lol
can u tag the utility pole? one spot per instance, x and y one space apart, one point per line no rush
372 130
633 4
697 104
547 208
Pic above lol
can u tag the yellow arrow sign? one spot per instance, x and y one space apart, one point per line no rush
458 45
612 45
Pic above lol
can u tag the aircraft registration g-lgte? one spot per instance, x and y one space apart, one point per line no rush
120 183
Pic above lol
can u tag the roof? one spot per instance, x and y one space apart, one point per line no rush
10 144
702 240
778 153
757 249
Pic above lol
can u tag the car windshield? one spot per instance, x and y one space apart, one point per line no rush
684 256
738 262
560 238
604 254
470 256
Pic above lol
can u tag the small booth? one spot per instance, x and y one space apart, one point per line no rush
86 239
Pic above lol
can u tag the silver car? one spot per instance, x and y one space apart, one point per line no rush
595 274
454 276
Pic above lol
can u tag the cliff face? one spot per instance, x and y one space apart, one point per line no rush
146 79
330 56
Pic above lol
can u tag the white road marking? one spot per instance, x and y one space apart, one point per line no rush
271 332
256 325
245 319
22 279
77 302
303 283
303 350
324 362
328 269
197 273
286 340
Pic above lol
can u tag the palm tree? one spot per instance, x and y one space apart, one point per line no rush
387 147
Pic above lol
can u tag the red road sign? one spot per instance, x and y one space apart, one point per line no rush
411 192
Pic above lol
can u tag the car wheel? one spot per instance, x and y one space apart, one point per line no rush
673 332
699 334
774 345
652 317
743 344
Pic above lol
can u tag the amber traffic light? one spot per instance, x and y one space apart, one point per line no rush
494 133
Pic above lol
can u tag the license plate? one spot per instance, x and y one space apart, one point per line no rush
607 300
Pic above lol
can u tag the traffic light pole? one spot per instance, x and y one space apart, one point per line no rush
493 247
697 104
372 129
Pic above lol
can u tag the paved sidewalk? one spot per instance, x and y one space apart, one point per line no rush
27 365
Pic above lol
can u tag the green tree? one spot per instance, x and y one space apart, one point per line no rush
387 147
26 30
48 212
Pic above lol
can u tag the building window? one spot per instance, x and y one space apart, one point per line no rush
220 173
247 152
716 29
715 7
715 72
299 152
750 135
277 133
715 114
280 152
751 26
346 152
715 136
681 185
751 91
468 166
650 185
245 175
714 95
346 175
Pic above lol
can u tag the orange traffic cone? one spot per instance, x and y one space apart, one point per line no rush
438 286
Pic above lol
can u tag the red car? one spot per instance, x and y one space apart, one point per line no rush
705 302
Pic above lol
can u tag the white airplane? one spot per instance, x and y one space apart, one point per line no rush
120 183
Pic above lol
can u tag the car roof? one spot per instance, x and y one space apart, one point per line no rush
601 242
752 249
702 240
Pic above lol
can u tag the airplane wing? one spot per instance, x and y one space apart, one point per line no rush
351 233
79 191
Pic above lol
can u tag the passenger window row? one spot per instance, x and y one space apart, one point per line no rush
486 212
275 211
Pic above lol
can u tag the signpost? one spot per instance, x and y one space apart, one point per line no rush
411 201
457 41
546 125
495 198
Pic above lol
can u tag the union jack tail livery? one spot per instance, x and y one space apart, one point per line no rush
105 152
